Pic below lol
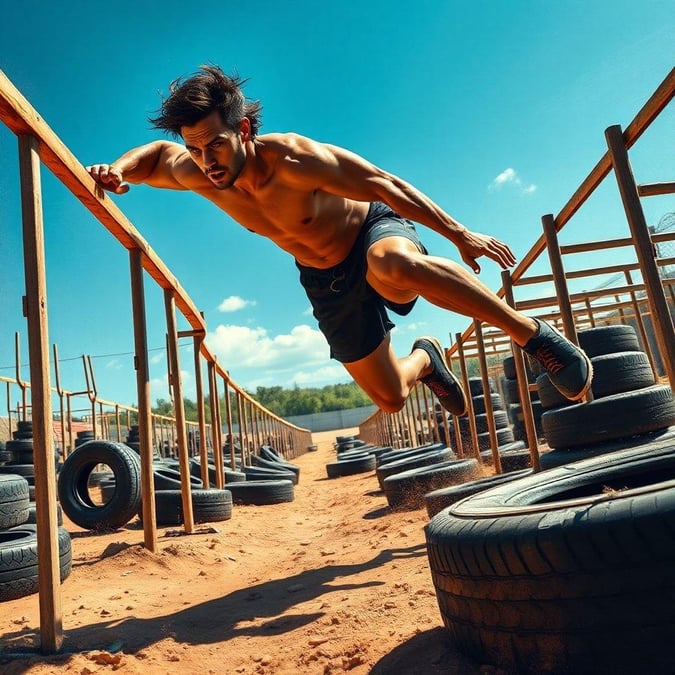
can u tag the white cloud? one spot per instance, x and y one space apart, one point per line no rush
159 386
234 303
308 312
506 176
329 374
245 347
157 358
115 364
510 176
416 325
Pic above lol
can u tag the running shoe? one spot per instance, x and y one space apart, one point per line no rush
567 366
441 380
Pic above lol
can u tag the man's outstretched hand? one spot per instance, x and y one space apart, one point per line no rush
108 177
472 245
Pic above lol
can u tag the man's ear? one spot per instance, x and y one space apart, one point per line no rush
245 129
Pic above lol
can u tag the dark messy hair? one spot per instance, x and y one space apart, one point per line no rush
210 89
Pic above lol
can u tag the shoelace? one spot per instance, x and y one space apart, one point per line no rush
549 360
436 386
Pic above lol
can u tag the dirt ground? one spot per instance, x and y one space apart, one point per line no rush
333 582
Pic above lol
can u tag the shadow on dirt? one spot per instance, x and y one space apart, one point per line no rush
236 614
428 653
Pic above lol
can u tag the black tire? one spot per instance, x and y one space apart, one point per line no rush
402 453
479 403
476 386
437 500
165 478
263 473
25 470
504 437
73 489
612 374
608 340
501 421
409 487
208 506
32 514
351 467
14 500
267 464
262 492
647 442
509 367
630 413
20 445
511 460
19 560
425 459
564 569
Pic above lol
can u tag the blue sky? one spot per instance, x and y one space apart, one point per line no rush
496 110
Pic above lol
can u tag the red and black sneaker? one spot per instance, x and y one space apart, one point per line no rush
441 380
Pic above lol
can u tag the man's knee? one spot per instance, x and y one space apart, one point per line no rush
389 401
393 264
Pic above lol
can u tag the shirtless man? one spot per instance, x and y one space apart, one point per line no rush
348 225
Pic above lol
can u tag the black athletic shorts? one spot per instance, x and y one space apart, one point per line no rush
351 314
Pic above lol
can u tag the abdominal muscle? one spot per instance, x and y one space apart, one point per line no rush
318 230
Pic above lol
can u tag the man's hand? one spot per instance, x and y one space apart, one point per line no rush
472 245
108 177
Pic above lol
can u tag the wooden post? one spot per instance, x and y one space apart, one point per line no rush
470 412
203 455
230 434
561 290
664 332
213 396
523 384
179 409
492 429
35 309
144 401
62 411
639 322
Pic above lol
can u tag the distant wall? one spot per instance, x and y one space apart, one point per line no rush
336 419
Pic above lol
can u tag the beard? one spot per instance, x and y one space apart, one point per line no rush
230 174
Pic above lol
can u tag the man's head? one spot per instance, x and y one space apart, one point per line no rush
210 113
207 91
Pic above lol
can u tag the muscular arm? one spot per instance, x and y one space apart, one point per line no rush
341 172
162 164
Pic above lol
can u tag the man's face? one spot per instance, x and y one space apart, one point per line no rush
216 149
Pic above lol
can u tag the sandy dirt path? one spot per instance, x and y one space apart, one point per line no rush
333 582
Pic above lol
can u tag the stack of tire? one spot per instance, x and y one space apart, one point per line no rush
133 439
513 455
628 409
18 541
83 436
119 496
270 479
567 570
509 383
18 455
406 475
354 456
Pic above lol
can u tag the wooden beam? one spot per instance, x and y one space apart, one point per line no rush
51 620
179 410
144 400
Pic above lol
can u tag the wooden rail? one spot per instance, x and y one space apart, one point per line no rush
39 144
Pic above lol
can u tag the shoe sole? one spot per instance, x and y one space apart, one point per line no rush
437 346
589 381
589 377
